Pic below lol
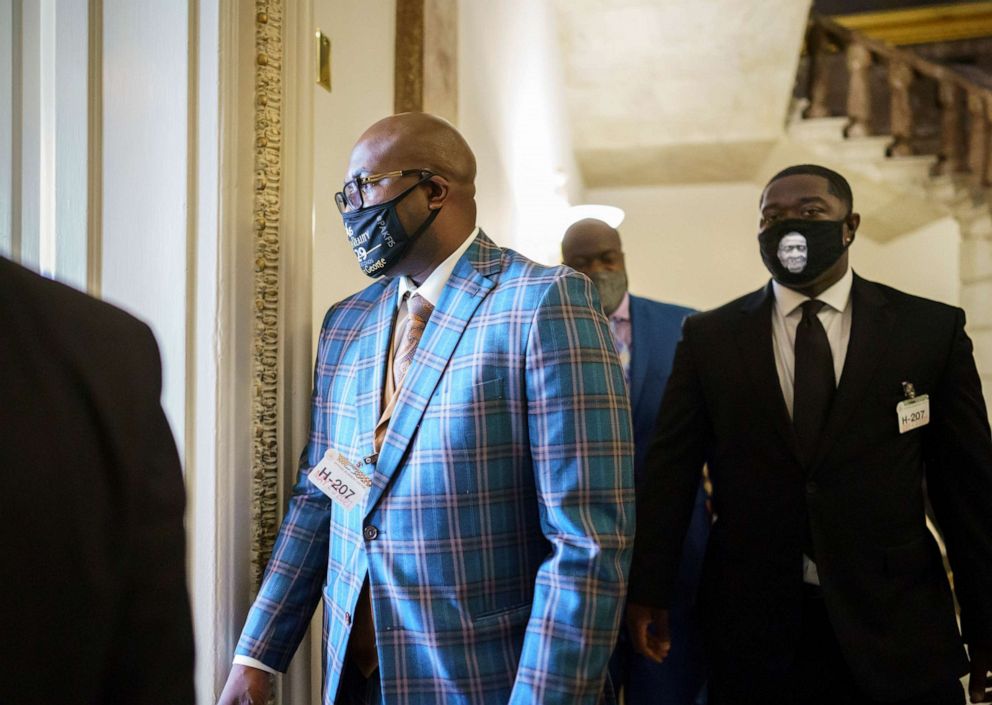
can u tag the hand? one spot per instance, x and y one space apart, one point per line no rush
246 686
655 644
981 664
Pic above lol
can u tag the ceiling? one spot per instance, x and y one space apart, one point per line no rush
677 91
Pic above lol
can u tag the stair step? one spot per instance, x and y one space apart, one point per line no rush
797 106
951 189
907 177
864 149
830 129
909 171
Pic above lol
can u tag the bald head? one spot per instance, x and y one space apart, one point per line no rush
414 141
593 248
426 166
586 236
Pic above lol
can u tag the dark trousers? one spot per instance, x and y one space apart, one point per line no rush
356 689
820 675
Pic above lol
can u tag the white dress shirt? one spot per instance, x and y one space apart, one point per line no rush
431 290
836 320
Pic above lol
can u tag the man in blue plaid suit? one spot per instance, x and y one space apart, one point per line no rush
481 396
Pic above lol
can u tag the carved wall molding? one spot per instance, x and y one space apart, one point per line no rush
426 57
265 333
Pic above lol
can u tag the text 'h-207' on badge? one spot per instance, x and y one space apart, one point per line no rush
340 479
914 411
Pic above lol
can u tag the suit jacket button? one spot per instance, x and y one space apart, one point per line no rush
811 487
370 532
347 618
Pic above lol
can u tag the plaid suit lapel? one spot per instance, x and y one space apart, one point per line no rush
374 347
465 290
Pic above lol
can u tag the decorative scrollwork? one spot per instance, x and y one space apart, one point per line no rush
265 333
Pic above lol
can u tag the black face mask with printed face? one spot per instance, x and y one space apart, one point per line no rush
377 236
797 252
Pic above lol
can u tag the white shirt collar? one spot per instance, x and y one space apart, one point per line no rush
435 282
837 297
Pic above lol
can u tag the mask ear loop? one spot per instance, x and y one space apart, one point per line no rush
423 226
430 218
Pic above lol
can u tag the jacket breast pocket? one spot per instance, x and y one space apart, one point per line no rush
490 390
464 415
490 414
503 616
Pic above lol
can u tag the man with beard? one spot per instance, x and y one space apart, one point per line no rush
645 333
820 402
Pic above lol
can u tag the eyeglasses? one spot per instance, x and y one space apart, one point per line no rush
351 195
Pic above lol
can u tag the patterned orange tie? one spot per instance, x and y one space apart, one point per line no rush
419 310
407 338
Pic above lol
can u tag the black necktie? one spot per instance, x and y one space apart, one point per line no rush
814 381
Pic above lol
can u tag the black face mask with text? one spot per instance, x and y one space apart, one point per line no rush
797 252
377 235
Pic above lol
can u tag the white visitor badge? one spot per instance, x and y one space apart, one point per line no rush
341 480
913 413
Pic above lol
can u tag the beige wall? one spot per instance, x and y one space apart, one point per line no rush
691 245
695 245
145 179
511 112
924 262
362 39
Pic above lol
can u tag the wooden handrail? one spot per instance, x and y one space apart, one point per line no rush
955 91
846 36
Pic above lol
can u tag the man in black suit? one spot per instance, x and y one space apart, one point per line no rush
93 600
821 402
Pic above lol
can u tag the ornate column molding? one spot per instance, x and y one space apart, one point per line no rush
426 58
267 207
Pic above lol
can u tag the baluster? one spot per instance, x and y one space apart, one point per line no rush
977 137
950 129
818 86
900 81
858 91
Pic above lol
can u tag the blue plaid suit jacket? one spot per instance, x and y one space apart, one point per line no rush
502 498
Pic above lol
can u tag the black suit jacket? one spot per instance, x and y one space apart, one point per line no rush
93 601
862 494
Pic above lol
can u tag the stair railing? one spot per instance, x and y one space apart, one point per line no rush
965 142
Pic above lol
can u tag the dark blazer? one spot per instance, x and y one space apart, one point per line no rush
655 330
883 582
93 601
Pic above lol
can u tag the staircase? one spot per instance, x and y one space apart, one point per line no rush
930 156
